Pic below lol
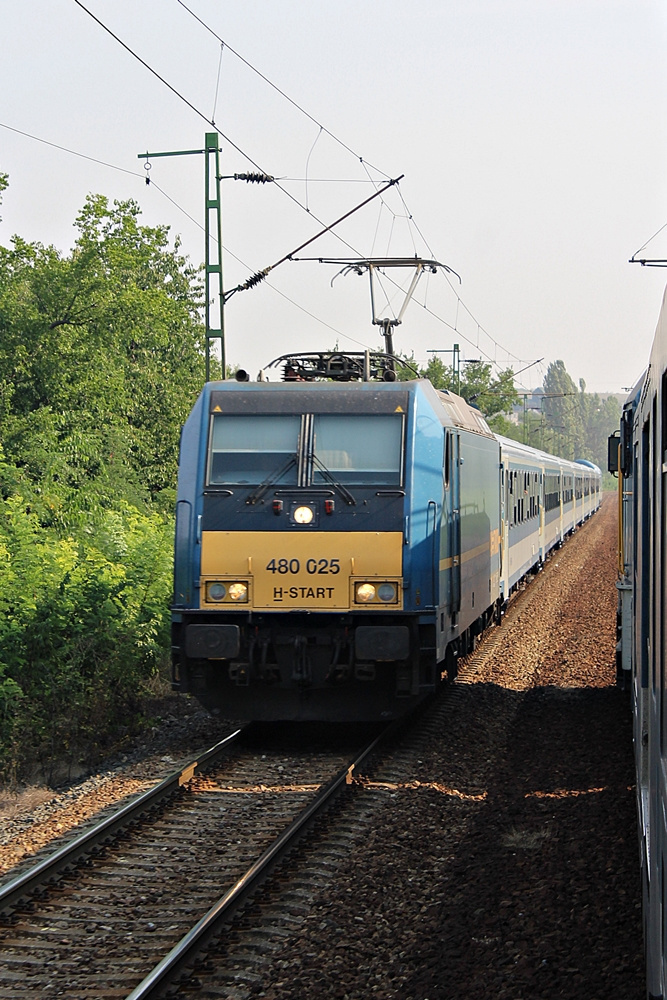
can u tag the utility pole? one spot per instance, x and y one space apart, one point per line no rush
455 352
215 305
215 327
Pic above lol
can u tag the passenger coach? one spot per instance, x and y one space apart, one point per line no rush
638 453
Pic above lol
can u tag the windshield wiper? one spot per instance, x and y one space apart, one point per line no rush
346 495
270 481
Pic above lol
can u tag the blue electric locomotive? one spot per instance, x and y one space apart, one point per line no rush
339 544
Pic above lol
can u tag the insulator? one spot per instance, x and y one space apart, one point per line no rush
254 178
255 280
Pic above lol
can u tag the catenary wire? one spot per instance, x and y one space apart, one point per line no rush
64 149
207 120
165 194
458 297
649 240
244 154
243 263
365 164
134 173
282 93
217 82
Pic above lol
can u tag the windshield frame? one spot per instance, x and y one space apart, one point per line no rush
307 471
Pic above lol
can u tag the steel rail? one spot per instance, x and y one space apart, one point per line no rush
206 927
50 867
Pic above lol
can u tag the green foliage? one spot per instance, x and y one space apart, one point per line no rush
4 181
101 358
82 626
575 423
474 382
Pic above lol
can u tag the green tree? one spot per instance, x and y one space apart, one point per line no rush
475 383
101 357
577 423
562 413
4 181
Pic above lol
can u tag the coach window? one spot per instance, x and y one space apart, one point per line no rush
359 449
247 449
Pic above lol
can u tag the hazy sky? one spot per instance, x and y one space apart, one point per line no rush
532 135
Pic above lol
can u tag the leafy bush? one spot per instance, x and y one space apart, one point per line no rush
83 626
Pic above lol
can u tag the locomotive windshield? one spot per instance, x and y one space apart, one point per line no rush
354 449
247 449
359 449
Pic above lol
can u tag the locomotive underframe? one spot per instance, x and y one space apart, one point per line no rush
305 666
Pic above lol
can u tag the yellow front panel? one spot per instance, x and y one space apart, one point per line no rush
300 570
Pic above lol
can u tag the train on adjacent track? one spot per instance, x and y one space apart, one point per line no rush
343 537
638 453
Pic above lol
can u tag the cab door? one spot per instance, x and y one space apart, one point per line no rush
450 531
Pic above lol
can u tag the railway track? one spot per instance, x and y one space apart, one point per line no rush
122 908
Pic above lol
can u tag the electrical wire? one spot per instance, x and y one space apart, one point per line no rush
227 139
459 300
208 121
165 194
649 240
278 90
364 162
74 152
269 284
217 83
308 162
143 62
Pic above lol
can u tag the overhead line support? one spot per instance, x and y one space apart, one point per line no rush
213 286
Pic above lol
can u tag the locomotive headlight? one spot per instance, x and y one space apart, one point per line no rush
303 515
376 593
387 593
238 592
215 591
365 592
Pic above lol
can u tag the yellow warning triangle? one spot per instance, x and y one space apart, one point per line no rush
399 409
216 409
